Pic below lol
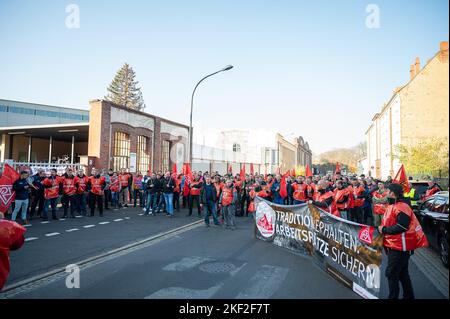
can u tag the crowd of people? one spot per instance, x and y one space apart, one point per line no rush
356 198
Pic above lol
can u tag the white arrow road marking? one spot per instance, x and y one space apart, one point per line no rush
186 263
184 293
30 238
103 223
264 283
118 219
52 234
89 226
71 230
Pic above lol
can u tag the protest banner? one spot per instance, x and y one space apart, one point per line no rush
350 252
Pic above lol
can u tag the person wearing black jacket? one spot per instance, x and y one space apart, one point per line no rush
153 186
37 193
21 187
167 188
209 197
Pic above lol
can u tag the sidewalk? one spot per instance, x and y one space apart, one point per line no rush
429 263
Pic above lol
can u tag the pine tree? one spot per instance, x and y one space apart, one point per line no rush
123 90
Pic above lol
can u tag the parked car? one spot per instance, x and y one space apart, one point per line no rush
433 216
420 188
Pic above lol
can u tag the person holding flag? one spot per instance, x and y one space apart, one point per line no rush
402 235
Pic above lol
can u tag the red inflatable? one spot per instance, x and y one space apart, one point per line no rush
11 238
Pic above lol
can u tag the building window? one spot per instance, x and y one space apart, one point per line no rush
121 154
165 156
236 147
143 157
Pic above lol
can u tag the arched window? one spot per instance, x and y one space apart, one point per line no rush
236 147
143 156
121 152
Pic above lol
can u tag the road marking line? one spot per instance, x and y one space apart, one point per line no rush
40 280
78 216
30 238
186 263
28 225
118 219
89 226
52 234
103 223
71 230
46 222
127 217
140 214
62 219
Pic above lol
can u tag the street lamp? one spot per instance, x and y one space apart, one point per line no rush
228 67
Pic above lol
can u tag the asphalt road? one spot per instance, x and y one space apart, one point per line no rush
197 263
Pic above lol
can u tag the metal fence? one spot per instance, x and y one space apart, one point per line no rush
34 166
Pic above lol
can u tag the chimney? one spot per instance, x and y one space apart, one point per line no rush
411 71
417 65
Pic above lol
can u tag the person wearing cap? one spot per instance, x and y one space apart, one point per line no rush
22 188
402 235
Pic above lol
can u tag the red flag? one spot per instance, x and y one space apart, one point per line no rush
7 195
338 168
265 172
11 238
308 172
252 172
230 169
278 170
283 189
174 168
400 178
292 172
242 173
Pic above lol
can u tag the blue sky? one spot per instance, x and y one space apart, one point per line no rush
311 68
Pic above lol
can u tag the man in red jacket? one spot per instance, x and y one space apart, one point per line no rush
69 191
11 238
52 186
81 181
402 235
96 185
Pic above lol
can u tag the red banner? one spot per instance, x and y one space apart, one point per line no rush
400 178
7 195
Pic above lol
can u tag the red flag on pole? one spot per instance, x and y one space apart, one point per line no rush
7 195
283 188
308 172
338 168
230 169
242 173
400 178
174 168
265 172
278 171
252 171
293 172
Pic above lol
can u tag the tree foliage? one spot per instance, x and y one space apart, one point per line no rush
428 156
345 156
124 90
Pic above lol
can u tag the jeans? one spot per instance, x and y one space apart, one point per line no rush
123 196
52 202
114 199
397 271
80 203
138 194
151 203
229 215
168 197
161 202
107 195
211 210
176 201
20 204
278 200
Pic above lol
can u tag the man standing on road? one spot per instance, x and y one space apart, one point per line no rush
195 188
208 198
123 195
167 188
380 202
228 198
402 235
81 181
96 185
69 191
22 189
51 193
37 193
